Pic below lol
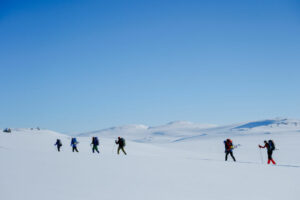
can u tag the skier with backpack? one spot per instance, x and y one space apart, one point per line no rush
58 144
228 149
95 143
74 144
270 146
121 143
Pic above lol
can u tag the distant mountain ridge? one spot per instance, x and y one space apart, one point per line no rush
184 130
276 122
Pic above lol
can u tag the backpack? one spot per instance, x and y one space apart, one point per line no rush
122 140
74 141
229 143
271 145
96 142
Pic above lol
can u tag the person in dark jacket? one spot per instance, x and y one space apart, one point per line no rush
228 149
95 143
74 144
58 144
270 150
121 143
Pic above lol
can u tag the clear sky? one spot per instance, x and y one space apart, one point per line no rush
75 66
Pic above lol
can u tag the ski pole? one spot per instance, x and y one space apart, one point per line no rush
113 149
261 157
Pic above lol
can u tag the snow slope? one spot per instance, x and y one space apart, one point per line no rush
183 161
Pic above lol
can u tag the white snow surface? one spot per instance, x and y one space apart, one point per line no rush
178 161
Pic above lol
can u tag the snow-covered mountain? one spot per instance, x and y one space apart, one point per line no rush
142 133
182 130
180 160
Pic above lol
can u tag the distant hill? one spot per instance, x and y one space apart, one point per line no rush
183 130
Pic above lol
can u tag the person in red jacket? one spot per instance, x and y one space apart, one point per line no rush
270 150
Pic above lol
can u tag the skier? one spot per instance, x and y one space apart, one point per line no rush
58 144
228 149
74 144
121 143
270 148
95 143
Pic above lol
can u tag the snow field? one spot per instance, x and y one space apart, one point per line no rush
32 169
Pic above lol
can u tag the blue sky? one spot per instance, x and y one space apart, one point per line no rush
74 66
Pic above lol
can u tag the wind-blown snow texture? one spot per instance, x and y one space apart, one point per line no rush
180 160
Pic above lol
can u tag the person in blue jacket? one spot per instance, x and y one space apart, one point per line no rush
74 144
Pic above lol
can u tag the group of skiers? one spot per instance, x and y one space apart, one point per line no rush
95 143
269 145
229 147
